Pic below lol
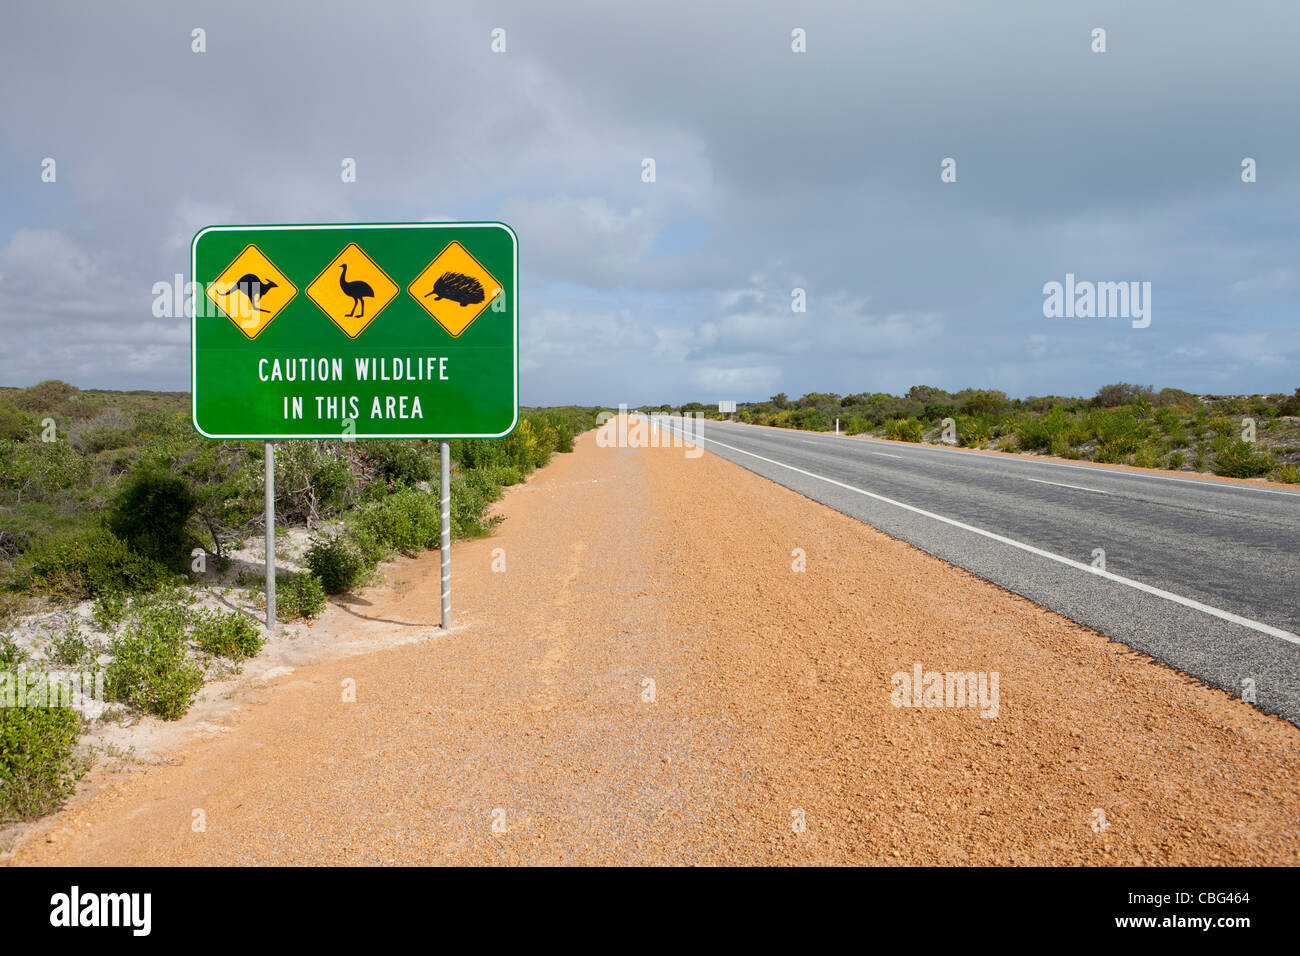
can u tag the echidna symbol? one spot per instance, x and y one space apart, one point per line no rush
459 288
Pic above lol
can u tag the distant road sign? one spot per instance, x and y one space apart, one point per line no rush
405 330
726 406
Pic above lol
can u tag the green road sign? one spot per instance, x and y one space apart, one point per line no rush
377 330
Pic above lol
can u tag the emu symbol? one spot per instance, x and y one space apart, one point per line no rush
358 290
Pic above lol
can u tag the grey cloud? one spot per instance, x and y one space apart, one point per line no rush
773 170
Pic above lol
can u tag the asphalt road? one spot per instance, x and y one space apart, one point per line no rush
1201 574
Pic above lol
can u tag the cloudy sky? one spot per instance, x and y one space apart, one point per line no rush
775 170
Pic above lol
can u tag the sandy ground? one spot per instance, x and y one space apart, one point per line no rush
650 680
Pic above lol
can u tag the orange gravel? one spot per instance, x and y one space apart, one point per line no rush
650 681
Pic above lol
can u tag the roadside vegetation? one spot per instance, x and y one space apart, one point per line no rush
128 539
1237 436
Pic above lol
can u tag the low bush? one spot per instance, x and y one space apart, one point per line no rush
973 432
1146 457
1056 431
151 668
1288 474
150 513
1119 434
11 655
109 610
811 419
71 648
1240 459
16 424
471 493
38 766
313 481
407 521
299 597
226 635
90 563
904 429
1222 426
403 462
337 562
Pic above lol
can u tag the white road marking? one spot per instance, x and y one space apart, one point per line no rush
885 454
1060 559
1109 472
1058 484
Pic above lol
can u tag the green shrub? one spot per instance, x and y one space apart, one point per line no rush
1060 446
37 759
973 432
1287 474
41 470
1119 434
11 655
1034 433
403 462
150 513
982 402
299 597
1146 457
1222 426
109 610
312 480
337 562
226 635
1176 460
228 492
1169 420
904 429
1056 431
811 419
407 521
505 475
70 648
89 563
1240 459
15 424
151 670
471 493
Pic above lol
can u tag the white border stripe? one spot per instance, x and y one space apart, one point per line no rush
1044 481
1014 459
1069 562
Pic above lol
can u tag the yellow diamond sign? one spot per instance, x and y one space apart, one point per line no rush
251 291
352 290
454 288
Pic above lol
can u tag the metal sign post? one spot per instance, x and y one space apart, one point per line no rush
269 457
355 330
444 549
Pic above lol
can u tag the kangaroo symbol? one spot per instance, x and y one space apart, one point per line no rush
254 288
